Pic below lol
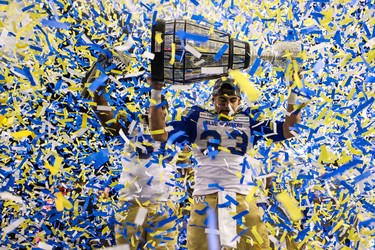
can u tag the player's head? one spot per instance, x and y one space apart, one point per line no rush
226 96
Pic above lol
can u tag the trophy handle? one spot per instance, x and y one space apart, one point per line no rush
157 64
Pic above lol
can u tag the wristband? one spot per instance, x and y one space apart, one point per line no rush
292 99
156 96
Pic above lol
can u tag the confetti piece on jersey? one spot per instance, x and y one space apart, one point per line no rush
247 87
250 197
289 204
211 231
257 236
141 216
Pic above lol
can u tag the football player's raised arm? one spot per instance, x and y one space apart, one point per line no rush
105 113
102 109
156 114
290 120
293 116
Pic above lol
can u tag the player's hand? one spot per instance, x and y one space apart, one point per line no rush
105 192
292 78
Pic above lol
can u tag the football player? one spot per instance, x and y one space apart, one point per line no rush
147 215
223 180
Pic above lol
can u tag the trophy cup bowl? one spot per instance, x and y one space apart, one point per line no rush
194 60
186 52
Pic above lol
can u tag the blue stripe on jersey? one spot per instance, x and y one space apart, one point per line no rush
263 129
188 125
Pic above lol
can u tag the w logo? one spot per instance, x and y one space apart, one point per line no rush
199 199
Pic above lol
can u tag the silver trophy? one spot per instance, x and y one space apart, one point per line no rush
199 54
280 53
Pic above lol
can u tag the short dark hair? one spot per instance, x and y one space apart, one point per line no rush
227 86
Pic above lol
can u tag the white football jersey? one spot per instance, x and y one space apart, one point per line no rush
143 175
221 148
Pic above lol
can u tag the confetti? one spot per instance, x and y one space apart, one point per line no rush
290 206
245 85
56 158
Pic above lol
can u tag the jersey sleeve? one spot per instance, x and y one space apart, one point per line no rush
267 129
185 130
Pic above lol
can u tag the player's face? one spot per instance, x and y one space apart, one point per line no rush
224 104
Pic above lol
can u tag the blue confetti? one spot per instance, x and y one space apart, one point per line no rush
221 52
55 24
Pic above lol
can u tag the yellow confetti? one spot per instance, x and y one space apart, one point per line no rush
105 230
271 229
322 114
3 120
289 204
22 134
79 229
257 235
345 158
351 149
226 117
325 155
158 37
160 160
251 195
282 239
56 166
61 202
223 149
76 204
138 202
309 236
157 132
4 97
328 14
297 80
346 248
290 13
252 93
84 121
173 53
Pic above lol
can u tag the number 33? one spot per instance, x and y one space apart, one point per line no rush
214 141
